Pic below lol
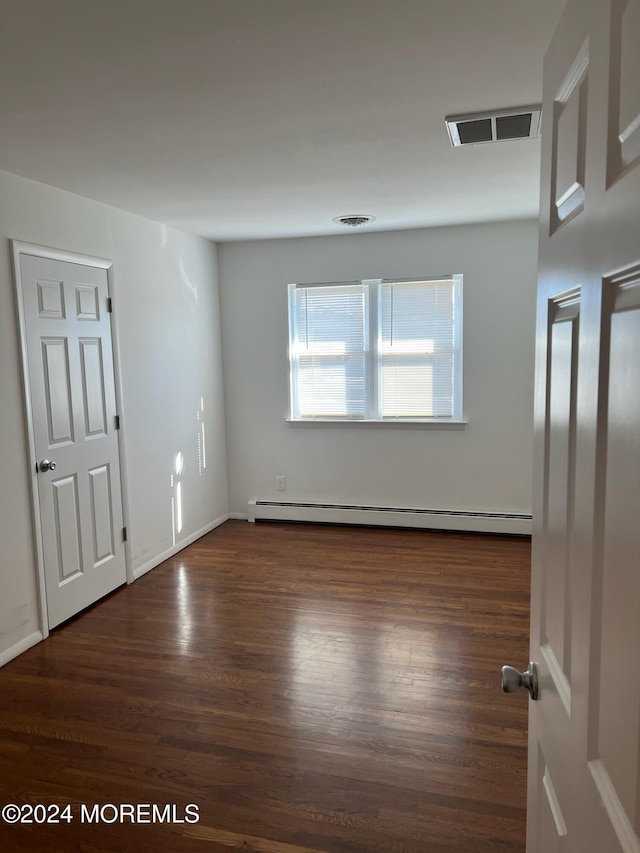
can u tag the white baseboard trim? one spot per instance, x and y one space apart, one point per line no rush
427 519
179 546
239 516
20 647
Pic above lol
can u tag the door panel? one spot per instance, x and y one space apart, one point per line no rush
569 140
87 302
57 390
616 713
70 363
101 514
66 528
562 374
95 406
584 730
625 27
50 299
552 826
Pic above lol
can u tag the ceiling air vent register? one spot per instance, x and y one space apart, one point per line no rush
354 220
496 126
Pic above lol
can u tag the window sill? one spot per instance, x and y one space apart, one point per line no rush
407 423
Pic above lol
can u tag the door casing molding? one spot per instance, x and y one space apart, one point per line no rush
21 248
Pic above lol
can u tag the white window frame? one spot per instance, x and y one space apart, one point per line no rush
373 359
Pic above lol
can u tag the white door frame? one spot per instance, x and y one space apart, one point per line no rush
21 248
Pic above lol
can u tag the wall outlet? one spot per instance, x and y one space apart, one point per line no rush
281 483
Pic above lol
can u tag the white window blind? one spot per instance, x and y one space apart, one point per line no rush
376 350
329 349
417 349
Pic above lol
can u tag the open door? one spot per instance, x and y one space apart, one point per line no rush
584 729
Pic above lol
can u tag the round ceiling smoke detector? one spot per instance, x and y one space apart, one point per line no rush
355 220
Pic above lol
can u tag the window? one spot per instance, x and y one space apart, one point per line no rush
376 350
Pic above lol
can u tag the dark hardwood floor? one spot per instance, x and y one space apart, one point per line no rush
311 689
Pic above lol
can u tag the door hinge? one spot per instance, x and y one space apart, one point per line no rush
124 534
109 305
117 421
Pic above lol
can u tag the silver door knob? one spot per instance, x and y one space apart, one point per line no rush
513 680
47 465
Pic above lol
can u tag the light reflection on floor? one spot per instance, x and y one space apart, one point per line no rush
185 622
334 670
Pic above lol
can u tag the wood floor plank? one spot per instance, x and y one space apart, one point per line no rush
311 689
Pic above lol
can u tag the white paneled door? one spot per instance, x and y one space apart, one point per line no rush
584 732
67 336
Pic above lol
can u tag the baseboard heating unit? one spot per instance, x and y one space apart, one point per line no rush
382 516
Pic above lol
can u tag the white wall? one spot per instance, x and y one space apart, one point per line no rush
486 466
167 317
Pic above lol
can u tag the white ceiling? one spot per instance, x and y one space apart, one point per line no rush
240 119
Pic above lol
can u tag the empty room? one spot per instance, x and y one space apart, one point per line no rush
319 370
